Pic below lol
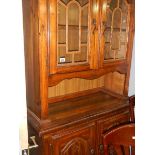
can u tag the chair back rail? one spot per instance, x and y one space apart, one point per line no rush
120 140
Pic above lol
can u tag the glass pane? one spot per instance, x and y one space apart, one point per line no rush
124 21
61 24
123 36
115 40
116 30
123 5
81 57
63 57
84 25
84 35
73 14
109 18
117 19
73 39
73 27
61 36
121 54
108 53
113 4
61 14
107 35
65 1
84 16
82 2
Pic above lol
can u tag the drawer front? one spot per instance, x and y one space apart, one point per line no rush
79 141
104 125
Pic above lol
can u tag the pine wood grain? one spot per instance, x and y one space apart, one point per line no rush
74 85
115 82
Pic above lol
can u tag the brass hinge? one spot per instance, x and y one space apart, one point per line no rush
51 149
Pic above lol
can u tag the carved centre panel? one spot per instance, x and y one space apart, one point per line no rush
77 146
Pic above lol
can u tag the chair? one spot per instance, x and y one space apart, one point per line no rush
132 108
120 141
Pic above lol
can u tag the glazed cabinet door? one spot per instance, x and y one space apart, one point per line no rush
71 30
78 141
104 125
115 22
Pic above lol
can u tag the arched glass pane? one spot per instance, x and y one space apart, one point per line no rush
82 2
61 24
115 44
113 4
109 18
124 30
116 30
65 1
73 27
73 14
61 14
117 19
84 25
108 54
73 30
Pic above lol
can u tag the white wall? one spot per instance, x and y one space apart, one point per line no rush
132 75
12 76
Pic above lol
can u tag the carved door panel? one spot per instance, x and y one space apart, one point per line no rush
106 124
78 141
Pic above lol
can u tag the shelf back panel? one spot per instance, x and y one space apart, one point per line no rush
74 85
115 82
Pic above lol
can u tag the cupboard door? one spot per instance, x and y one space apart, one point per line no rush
115 28
78 141
69 35
105 124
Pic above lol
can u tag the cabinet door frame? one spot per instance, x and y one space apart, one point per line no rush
130 32
52 42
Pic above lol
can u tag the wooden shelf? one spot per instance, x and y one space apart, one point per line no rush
61 44
93 104
64 44
114 29
109 60
122 43
76 50
62 63
81 61
72 27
